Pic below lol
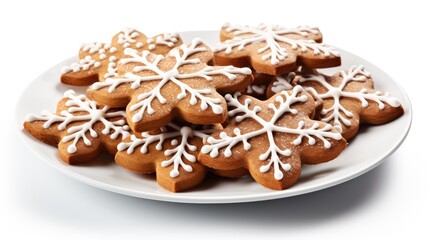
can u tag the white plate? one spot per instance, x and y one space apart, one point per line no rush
371 146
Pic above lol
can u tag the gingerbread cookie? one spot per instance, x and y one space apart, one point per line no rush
258 88
349 99
156 88
272 138
273 49
98 61
170 152
268 85
81 128
280 83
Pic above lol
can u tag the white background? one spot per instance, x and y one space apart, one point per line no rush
37 201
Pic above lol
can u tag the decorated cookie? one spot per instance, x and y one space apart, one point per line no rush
98 61
258 88
268 85
273 49
156 88
280 83
272 138
349 99
81 128
170 152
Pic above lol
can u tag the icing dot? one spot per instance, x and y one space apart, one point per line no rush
139 45
187 168
136 118
227 153
223 135
65 69
278 175
217 109
122 146
113 50
71 149
205 149
174 173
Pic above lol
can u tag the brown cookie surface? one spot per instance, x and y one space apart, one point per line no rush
272 138
80 128
169 152
349 99
258 87
274 49
156 89
98 61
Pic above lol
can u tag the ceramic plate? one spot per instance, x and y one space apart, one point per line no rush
371 146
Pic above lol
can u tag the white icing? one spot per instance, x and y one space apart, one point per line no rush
272 35
126 37
178 153
337 112
91 47
283 82
269 128
258 89
112 70
113 50
167 39
83 65
93 115
95 50
144 104
105 51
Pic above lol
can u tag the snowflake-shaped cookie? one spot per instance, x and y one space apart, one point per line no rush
272 138
157 88
273 49
171 153
81 128
264 86
98 61
258 88
349 99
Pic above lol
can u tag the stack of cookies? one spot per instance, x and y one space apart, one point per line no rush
254 104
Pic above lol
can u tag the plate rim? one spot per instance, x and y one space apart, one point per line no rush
177 197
